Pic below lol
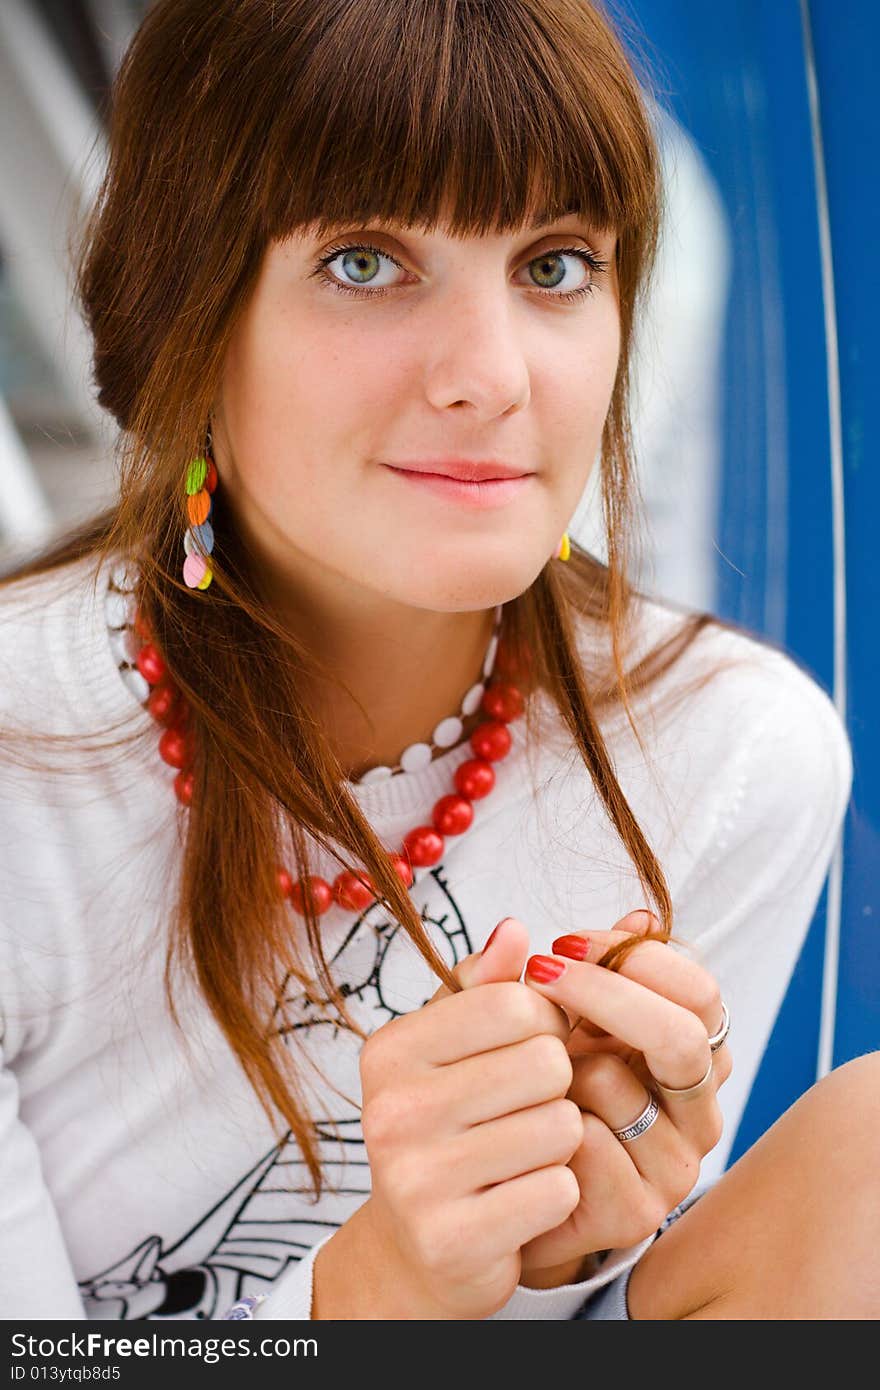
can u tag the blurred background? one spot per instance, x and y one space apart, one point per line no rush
750 378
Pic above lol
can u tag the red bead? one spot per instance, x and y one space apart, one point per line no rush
503 702
491 740
452 814
349 891
162 703
403 869
173 748
284 881
211 475
475 778
319 895
150 664
423 845
183 787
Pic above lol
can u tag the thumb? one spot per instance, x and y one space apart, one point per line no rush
502 958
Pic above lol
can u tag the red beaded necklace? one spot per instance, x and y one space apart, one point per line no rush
422 846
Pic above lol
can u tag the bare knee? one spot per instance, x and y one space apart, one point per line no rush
792 1230
841 1116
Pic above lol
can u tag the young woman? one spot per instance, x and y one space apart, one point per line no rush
362 281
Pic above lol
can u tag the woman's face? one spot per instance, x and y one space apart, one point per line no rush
441 349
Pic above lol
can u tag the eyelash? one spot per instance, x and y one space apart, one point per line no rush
597 266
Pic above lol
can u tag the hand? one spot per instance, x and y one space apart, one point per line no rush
649 1021
469 1134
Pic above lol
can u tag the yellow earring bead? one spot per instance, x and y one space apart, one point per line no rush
564 550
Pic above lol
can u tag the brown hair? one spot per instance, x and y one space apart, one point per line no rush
230 125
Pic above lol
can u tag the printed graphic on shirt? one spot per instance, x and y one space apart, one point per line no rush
268 1220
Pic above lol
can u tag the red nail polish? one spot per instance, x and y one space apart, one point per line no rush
491 939
544 969
576 947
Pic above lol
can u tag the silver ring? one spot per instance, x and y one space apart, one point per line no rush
717 1040
687 1090
640 1125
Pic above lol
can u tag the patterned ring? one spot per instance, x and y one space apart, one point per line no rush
718 1039
639 1125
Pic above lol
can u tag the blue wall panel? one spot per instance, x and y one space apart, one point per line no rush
736 77
847 40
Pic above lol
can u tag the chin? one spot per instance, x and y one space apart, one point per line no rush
480 584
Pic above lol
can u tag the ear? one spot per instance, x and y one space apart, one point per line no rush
502 958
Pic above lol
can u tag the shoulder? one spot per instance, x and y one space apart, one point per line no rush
57 668
741 681
731 717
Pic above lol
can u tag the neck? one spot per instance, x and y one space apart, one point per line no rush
403 669
406 676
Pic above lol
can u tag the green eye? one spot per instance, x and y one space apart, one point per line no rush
361 259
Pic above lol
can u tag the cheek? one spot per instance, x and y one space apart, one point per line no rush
576 395
291 411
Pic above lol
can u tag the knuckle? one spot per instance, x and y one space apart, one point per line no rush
564 1188
366 1061
374 1051
603 1076
684 1035
516 1004
380 1120
551 1061
705 998
570 1125
698 990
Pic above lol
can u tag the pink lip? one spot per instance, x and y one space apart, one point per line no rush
494 492
466 470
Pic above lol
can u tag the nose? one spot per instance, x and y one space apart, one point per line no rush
475 354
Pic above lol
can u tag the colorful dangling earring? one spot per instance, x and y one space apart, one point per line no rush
198 540
564 550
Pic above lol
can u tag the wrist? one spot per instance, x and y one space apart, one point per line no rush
358 1276
570 1272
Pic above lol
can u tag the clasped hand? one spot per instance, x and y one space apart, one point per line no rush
648 1021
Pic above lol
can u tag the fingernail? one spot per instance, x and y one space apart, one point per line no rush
544 969
576 947
492 935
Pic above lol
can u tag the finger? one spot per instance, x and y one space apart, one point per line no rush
657 966
594 946
673 1039
458 1027
490 1084
609 1213
510 1145
685 1130
502 957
